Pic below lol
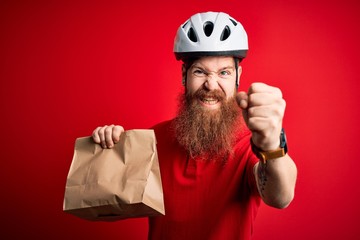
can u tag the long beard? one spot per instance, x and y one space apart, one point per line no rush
207 133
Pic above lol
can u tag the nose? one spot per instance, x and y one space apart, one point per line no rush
211 82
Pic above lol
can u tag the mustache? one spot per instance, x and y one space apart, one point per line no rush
202 94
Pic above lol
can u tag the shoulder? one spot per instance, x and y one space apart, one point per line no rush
164 129
163 126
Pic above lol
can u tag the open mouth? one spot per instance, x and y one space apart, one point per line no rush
209 101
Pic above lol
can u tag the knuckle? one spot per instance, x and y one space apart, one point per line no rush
281 109
119 128
108 130
252 123
251 99
278 92
273 124
102 129
278 111
251 112
95 132
265 134
253 87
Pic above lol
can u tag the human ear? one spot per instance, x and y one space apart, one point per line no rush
183 72
239 71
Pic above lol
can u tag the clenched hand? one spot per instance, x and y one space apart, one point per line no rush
263 110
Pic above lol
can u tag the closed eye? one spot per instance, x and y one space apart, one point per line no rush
199 72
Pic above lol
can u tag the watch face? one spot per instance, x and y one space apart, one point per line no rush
283 140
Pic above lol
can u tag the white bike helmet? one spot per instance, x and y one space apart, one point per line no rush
210 34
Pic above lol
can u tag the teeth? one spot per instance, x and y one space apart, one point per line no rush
210 101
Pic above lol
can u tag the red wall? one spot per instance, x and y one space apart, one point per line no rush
69 66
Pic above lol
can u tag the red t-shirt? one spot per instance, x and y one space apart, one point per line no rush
209 200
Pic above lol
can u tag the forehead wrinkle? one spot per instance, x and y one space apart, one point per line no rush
216 63
207 69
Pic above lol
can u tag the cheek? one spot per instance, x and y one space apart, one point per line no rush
229 90
192 85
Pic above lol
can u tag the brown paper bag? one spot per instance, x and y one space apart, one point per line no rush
118 183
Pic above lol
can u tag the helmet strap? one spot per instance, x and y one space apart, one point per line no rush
237 80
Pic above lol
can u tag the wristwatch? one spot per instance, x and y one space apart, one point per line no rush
267 155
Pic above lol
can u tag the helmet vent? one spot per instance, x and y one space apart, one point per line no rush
233 21
192 36
225 33
208 28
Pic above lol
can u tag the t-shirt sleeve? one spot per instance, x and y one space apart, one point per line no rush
250 172
251 160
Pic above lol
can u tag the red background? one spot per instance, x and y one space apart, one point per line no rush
69 66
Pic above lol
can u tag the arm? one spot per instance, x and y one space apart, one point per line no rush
276 181
263 110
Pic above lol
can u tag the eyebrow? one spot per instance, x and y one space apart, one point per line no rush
221 69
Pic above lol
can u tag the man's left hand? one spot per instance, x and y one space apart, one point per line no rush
263 110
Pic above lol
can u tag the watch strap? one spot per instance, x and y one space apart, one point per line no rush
268 155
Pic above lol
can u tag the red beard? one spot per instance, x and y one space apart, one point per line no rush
207 133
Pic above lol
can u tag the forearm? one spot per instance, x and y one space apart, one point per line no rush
276 181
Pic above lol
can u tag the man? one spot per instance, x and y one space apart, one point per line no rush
226 150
